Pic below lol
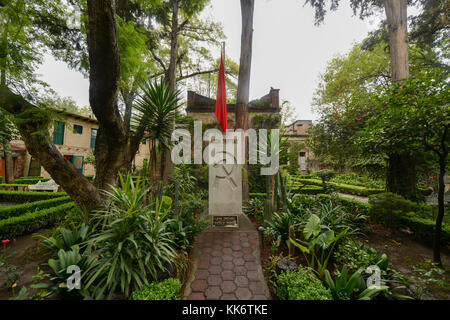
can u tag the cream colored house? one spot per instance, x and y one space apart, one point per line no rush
74 137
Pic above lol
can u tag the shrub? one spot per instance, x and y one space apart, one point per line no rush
28 196
325 175
33 221
133 243
310 190
14 211
301 285
168 289
31 180
388 207
353 206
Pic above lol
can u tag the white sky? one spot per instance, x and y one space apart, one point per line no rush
289 52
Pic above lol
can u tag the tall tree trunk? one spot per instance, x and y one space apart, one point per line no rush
401 173
9 175
104 58
171 80
243 91
441 211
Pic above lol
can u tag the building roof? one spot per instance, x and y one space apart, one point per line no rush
270 103
77 116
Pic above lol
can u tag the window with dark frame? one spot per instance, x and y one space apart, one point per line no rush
77 129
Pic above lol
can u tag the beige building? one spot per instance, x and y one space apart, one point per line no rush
74 136
297 133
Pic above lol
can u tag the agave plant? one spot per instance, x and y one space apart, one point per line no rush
156 108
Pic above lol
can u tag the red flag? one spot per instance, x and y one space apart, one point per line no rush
221 102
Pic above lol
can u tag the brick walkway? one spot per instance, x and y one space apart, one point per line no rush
227 267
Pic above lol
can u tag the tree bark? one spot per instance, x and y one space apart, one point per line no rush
9 175
401 173
104 58
243 91
171 80
441 211
39 146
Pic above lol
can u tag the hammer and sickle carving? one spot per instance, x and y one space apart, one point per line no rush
226 173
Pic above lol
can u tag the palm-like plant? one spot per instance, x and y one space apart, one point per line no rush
156 111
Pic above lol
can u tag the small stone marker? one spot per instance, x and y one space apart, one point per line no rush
285 265
225 221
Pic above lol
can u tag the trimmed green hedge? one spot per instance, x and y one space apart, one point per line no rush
168 289
15 211
28 196
424 228
33 221
309 189
31 180
344 188
6 185
350 204
301 285
396 212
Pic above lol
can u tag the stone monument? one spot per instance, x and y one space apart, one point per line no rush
225 191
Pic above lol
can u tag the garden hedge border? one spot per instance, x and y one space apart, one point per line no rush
423 228
15 211
33 221
28 196
31 180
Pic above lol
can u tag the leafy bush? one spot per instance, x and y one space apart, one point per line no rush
33 221
308 189
332 213
31 180
358 180
346 287
279 225
325 175
15 211
68 238
28 196
133 243
318 243
301 285
168 289
355 255
389 208
352 206
344 188
255 207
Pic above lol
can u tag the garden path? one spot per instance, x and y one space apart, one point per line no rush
227 266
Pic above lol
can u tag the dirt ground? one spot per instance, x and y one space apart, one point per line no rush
401 248
27 255
404 251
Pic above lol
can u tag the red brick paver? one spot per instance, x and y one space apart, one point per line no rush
228 267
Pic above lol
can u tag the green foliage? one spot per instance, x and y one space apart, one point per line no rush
156 108
355 179
68 238
325 174
133 242
279 225
350 287
319 243
301 285
255 206
30 180
15 211
28 196
354 255
428 275
168 289
388 207
33 221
